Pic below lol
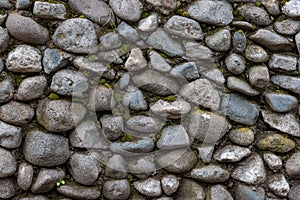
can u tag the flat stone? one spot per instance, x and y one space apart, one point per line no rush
7 188
36 197
23 4
140 145
201 92
291 8
26 29
76 35
196 51
158 62
149 187
244 25
49 11
294 193
160 40
170 184
184 27
164 7
210 174
287 82
16 113
205 152
127 32
219 41
215 75
190 189
10 136
110 41
129 10
275 143
142 167
218 192
149 23
8 164
218 13
143 124
115 167
54 59
259 76
31 88
249 193
286 123
256 54
95 10
279 185
46 180
235 63
239 109
44 149
287 27
173 137
241 136
281 102
24 59
59 115
273 161
250 171
136 60
231 153
241 86
116 189
271 6
283 62
292 166
25 175
272 40
4 39
79 192
239 41
255 15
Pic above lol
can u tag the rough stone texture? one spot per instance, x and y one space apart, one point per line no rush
149 23
287 27
186 71
259 76
206 152
283 62
116 189
210 174
255 15
25 175
294 193
279 185
170 184
79 192
241 136
143 123
231 153
219 41
256 54
287 82
5 4
239 41
8 164
235 63
196 51
158 62
10 136
7 188
31 88
173 137
4 39
101 98
136 60
49 11
6 90
129 10
241 86
218 192
164 7
116 167
23 4
190 189
292 166
275 143
45 149
112 126
142 167
273 161
128 32
140 145
248 193
291 8
149 187
281 102
54 59
110 41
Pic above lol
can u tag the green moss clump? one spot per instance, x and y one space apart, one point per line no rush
102 81
144 15
240 31
2 12
169 98
185 14
82 16
282 2
107 85
53 96
124 49
281 18
258 4
92 58
127 138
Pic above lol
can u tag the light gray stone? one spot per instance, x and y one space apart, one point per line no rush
255 15
241 136
112 126
235 63
101 99
149 187
129 10
140 145
205 152
164 7
196 51
116 189
287 82
294 193
273 161
186 71
244 25
83 63
218 192
287 27
143 124
231 153
4 39
291 8
110 41
6 88
271 6
31 88
142 167
54 59
279 185
173 137
283 62
8 164
241 86
10 136
136 60
49 11
259 76
210 174
79 192
7 188
25 175
215 75
149 23
158 62
5 4
219 41
281 102
170 184
256 54
115 167
128 32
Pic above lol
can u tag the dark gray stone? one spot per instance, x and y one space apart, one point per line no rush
79 192
287 27
219 41
235 63
31 88
149 187
173 137
25 175
292 166
54 59
239 41
210 174
10 136
241 136
49 11
190 189
129 10
248 193
23 4
6 89
259 76
256 54
4 39
195 51
281 102
8 164
291 8
116 189
7 188
241 86
186 71
287 82
231 153
255 15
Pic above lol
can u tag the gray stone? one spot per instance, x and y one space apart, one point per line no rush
44 149
255 15
184 27
158 62
172 110
6 89
275 143
83 64
26 29
10 136
79 192
49 11
96 10
218 13
256 54
210 174
84 168
54 59
140 145
36 197
116 189
25 175
292 166
215 75
259 76
127 32
170 184
110 41
249 193
244 25
46 180
239 41
143 124
297 41
271 40
149 23
4 39
283 62
149 187
273 161
207 127
16 113
59 115
294 193
177 161
287 82
124 81
190 189
281 102
5 4
235 63
31 88
231 153
1 65
134 99
173 137
129 10
286 123
87 135
201 92
186 71
287 27
218 192
239 109
241 86
196 51
279 185
69 82
112 126
76 35
156 82
115 167
7 188
24 59
101 98
142 167
250 171
219 41
164 7
160 40
8 164
291 8
205 152
136 60
241 136
3 18
271 6
23 4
